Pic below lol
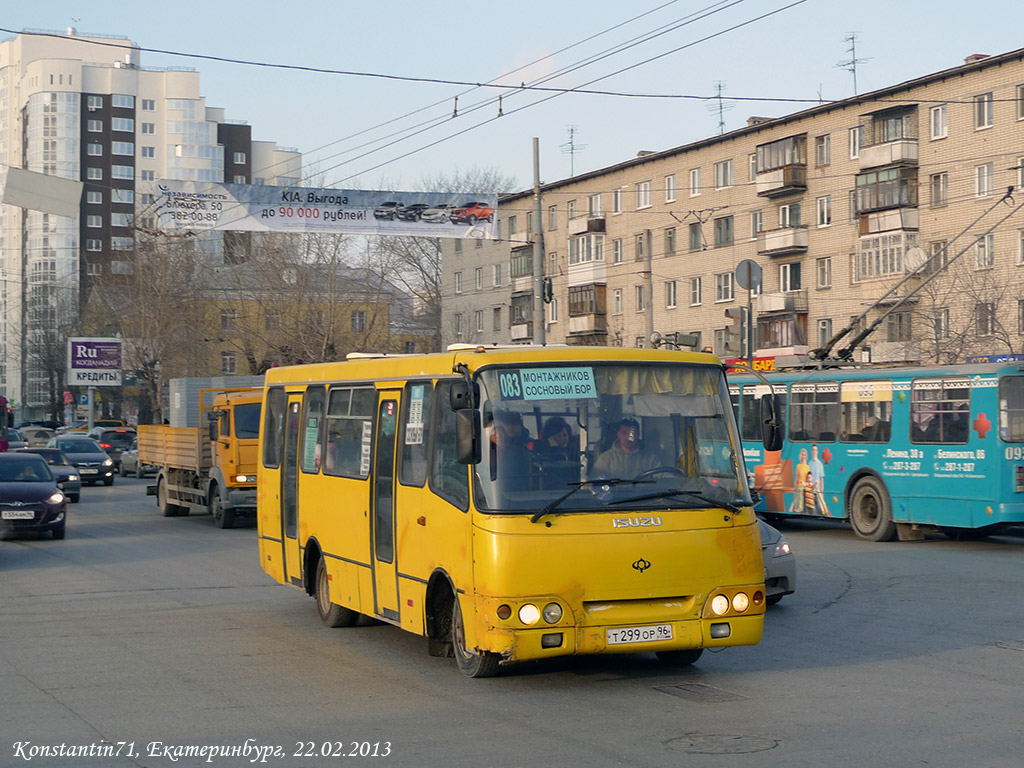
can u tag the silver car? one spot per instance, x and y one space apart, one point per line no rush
130 462
779 564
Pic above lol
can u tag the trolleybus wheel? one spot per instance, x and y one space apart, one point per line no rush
680 658
471 663
331 614
870 511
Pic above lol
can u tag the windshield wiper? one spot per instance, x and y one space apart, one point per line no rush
699 495
609 481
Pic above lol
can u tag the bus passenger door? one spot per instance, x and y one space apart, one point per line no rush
385 567
290 492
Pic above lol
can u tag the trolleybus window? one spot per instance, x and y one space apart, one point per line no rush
1011 409
940 410
866 411
814 411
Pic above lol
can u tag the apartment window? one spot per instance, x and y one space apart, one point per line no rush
937 256
239 158
984 251
823 150
752 167
94 222
986 181
643 195
228 363
94 102
148 152
94 150
513 225
824 331
93 198
496 319
478 275
124 100
789 215
458 282
617 301
1020 315
497 274
985 312
897 327
670 294
124 124
882 255
458 246
239 178
617 251
723 174
121 244
789 277
724 288
594 206
984 115
696 297
824 271
93 270
93 245
529 223
458 325
617 201
756 224
553 311
939 185
942 324
121 219
694 182
148 105
478 317
552 217
1020 247
586 248
638 247
670 188
939 124
670 241
723 231
122 172
94 126
855 143
358 321
124 148
696 237
94 174
147 175
825 211
639 292
149 127
228 319
570 208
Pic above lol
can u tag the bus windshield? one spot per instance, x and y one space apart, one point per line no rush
607 436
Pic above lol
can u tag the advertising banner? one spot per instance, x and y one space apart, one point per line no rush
189 205
94 362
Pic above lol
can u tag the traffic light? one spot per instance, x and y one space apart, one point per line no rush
549 290
736 332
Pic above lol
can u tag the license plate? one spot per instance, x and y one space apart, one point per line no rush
18 514
89 471
647 634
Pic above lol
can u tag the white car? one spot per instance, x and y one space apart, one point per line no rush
440 214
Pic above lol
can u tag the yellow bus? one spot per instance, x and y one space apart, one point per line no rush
515 503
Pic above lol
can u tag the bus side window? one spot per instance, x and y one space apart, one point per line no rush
348 428
273 428
416 412
448 478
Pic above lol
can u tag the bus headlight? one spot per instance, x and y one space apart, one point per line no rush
529 614
740 602
720 605
552 613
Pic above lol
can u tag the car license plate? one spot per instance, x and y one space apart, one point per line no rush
89 471
648 634
18 514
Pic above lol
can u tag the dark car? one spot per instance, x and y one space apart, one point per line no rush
130 464
779 564
113 440
411 212
386 210
63 470
29 497
91 461
471 213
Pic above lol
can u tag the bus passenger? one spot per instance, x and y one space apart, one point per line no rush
557 461
626 458
510 449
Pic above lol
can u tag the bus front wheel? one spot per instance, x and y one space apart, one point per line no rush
331 614
871 511
471 663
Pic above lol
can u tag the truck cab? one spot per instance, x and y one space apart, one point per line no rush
234 434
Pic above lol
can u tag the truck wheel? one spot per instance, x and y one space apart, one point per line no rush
168 509
331 614
222 516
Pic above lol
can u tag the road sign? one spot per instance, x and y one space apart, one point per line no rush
748 274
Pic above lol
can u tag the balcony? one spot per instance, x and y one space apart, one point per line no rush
790 301
582 225
785 241
787 180
586 324
889 220
899 152
520 239
522 331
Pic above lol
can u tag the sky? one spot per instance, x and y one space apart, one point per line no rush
768 58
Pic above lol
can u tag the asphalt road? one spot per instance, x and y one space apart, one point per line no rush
164 635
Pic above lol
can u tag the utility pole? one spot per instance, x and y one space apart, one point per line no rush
648 288
539 331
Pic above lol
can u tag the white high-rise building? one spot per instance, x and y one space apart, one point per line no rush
82 107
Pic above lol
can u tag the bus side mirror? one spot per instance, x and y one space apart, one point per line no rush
458 395
771 423
467 436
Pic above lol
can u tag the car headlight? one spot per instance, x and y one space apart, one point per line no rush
108 462
782 548
56 497
72 477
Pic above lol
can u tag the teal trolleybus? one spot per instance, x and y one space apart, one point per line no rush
894 451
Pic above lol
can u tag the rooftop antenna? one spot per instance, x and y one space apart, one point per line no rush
851 64
722 106
571 148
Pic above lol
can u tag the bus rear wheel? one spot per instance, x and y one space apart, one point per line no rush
871 511
471 663
331 614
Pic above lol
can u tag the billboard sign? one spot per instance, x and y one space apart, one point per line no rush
190 205
94 362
